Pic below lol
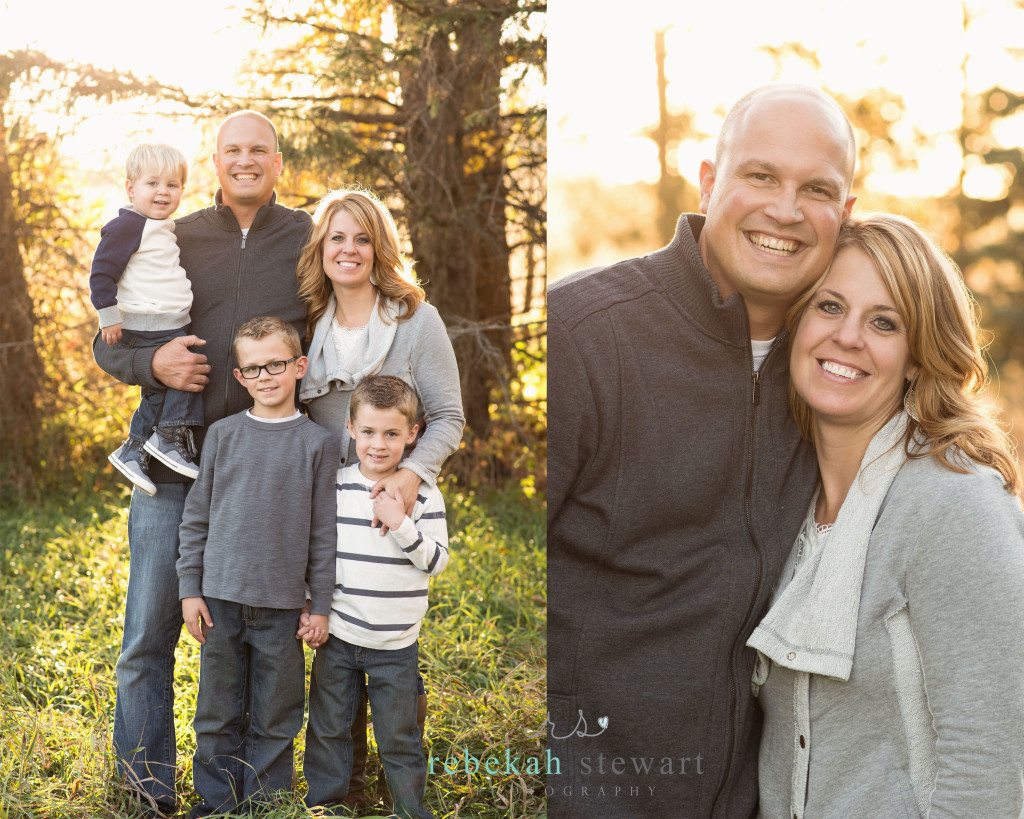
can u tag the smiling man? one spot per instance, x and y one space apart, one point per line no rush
240 255
677 478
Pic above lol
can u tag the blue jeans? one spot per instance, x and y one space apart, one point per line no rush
144 739
161 408
333 700
252 678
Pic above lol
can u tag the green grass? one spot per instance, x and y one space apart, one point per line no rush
63 570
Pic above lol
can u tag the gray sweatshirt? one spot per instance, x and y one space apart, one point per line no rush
259 522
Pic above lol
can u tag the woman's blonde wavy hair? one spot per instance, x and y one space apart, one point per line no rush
392 275
945 342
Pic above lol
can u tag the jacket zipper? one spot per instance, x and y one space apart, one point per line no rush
234 323
755 401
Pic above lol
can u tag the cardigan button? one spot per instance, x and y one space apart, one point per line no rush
803 742
791 655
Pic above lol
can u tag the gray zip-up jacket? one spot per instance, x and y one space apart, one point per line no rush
233 279
677 482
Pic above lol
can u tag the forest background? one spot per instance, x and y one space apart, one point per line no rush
437 106
935 91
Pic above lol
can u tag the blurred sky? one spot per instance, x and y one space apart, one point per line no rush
602 75
602 91
195 44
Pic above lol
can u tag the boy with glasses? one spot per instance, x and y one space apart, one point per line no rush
257 531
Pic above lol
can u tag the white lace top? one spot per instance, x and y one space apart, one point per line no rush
345 338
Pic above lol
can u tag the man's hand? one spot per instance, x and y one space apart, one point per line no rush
197 617
408 483
177 367
111 334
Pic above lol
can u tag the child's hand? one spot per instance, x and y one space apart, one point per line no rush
405 480
111 335
390 511
317 633
197 617
303 623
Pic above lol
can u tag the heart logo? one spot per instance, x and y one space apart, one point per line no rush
603 722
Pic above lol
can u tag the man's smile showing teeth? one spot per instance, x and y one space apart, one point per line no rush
771 244
246 177
841 371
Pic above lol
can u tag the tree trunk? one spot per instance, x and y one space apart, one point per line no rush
455 190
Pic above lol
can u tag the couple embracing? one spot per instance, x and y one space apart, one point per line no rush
785 532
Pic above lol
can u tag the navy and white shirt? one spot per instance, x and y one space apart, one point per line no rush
380 595
136 279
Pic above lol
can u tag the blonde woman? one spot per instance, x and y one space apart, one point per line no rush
365 315
891 663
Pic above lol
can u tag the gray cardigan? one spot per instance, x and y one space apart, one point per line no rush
931 721
421 354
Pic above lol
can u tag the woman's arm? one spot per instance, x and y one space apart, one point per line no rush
435 376
965 586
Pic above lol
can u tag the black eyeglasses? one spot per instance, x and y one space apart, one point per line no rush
273 368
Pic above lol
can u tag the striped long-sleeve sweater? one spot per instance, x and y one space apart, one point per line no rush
381 591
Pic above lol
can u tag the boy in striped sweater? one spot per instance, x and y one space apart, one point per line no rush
379 599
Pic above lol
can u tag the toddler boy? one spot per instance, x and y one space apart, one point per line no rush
143 298
379 600
258 529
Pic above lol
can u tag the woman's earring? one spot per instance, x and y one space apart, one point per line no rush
910 403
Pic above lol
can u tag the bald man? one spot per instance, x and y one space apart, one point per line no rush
240 255
677 478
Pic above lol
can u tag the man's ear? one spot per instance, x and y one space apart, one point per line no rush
707 184
848 207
